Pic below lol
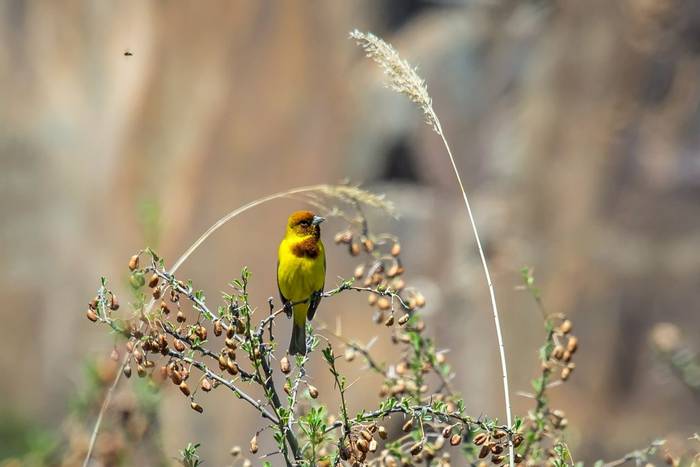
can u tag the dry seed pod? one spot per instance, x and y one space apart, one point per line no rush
389 321
350 354
567 356
447 432
287 388
497 459
206 385
196 407
362 445
416 448
313 391
517 440
113 302
164 307
420 300
558 352
366 435
180 317
572 345
497 449
372 299
403 320
438 444
127 371
566 327
382 432
480 439
354 249
218 328
373 445
359 271
156 293
184 388
499 434
393 271
91 315
485 450
138 356
230 343
396 249
222 362
179 346
368 244
401 368
93 303
518 458
231 366
565 373
133 262
285 367
455 440
398 388
384 303
343 237
201 332
235 451
153 281
344 452
254 444
408 426
141 371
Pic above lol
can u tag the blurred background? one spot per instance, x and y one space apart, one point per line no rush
576 126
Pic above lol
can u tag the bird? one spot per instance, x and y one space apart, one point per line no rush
301 273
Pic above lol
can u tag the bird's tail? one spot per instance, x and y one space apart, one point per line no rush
297 346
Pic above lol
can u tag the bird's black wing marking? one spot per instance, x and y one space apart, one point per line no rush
284 300
316 297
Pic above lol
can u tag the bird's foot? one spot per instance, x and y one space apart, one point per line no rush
288 309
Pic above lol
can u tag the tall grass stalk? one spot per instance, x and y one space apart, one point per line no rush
403 78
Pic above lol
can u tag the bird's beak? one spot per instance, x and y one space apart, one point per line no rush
317 220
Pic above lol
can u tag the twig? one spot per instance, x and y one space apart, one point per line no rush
416 411
241 394
638 456
103 410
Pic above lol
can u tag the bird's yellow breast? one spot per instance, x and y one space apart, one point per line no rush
299 276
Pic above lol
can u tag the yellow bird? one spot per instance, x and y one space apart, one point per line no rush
301 273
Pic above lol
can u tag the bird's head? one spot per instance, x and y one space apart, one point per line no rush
304 224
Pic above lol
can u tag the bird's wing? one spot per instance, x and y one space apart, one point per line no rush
282 297
316 298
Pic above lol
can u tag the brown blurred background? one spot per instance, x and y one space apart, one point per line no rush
576 126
